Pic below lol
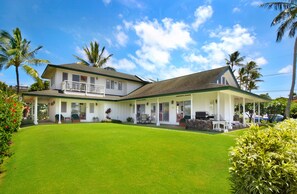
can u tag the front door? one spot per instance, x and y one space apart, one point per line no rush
79 109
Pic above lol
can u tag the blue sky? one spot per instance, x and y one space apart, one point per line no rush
154 39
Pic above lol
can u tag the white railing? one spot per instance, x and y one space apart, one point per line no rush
82 87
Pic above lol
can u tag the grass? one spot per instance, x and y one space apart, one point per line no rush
114 158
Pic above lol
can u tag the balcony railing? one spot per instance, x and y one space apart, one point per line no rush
82 87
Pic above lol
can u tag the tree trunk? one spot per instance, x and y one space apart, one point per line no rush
18 79
287 113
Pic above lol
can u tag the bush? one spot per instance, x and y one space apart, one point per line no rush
130 120
11 109
265 160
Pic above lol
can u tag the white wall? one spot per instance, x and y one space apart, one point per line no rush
127 86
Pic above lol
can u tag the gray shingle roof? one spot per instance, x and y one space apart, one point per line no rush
194 82
92 70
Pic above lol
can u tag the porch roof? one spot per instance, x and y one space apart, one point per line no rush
59 94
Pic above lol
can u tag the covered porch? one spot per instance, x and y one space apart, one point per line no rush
214 108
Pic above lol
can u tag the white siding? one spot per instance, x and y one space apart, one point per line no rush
127 86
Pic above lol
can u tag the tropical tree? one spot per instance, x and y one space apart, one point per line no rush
286 20
15 51
95 57
249 75
252 75
39 85
234 60
242 78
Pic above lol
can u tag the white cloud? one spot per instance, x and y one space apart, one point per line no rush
192 58
121 38
81 53
261 61
123 64
173 71
228 41
236 10
157 41
202 14
106 2
256 3
287 69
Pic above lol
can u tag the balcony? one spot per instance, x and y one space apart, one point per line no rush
87 89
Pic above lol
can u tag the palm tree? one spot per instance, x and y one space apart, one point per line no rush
234 60
286 20
242 77
252 75
95 56
15 51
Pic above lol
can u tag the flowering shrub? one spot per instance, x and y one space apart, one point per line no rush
265 160
11 109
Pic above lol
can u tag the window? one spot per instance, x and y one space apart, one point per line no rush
112 84
63 107
75 78
107 84
65 76
120 86
83 78
91 107
164 111
92 80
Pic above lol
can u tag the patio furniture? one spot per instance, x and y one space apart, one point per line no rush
201 115
57 118
220 125
144 118
75 118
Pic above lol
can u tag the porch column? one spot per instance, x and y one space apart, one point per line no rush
259 104
157 113
59 110
35 110
192 111
254 112
32 110
230 112
243 111
135 111
218 106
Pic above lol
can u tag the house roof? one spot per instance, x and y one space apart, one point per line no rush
193 82
49 70
60 94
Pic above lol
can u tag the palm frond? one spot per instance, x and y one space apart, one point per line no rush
278 6
37 61
30 71
81 61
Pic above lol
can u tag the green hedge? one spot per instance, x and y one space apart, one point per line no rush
11 110
265 160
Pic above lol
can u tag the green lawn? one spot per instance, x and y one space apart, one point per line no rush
114 158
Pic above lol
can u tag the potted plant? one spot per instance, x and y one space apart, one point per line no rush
108 111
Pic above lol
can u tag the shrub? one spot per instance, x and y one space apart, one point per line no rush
11 109
130 120
265 160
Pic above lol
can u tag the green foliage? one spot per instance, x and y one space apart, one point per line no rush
6 89
265 160
11 110
277 106
130 120
294 110
39 85
111 121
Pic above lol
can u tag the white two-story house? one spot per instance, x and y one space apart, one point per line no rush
89 92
